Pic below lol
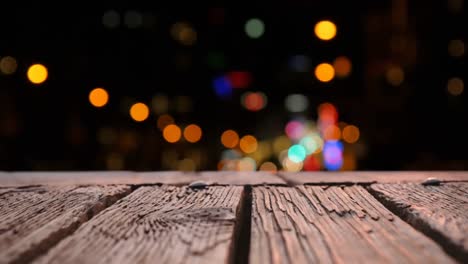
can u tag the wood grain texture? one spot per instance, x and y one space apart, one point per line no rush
128 177
299 178
164 224
315 224
439 211
34 218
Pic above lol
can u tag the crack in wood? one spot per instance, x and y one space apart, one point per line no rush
33 219
332 224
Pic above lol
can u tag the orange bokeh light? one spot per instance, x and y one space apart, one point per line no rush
342 66
172 133
332 132
98 97
139 112
351 134
230 139
248 144
324 72
192 133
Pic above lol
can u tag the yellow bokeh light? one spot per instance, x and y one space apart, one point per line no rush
8 65
456 48
165 120
395 75
351 134
332 132
281 143
37 73
248 144
342 66
230 139
98 97
172 133
324 72
192 133
455 86
186 165
325 30
139 112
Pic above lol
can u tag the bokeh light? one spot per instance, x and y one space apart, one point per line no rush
291 166
133 19
246 164
455 86
98 97
395 75
312 163
164 120
333 155
248 144
312 143
294 129
254 28
239 79
351 134
281 143
172 133
37 73
184 33
187 164
328 114
297 153
268 166
183 104
456 48
192 133
139 112
111 19
254 101
230 139
299 63
332 132
8 65
342 66
296 103
324 72
325 30
222 87
160 104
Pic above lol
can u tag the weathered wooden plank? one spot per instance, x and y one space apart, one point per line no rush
370 176
34 218
316 224
128 177
164 224
439 211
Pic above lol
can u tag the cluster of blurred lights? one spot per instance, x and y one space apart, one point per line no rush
298 149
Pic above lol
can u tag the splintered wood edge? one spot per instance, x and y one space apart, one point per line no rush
427 224
368 177
11 179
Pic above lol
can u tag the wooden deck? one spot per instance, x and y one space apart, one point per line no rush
233 217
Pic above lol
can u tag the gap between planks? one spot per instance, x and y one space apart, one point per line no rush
440 212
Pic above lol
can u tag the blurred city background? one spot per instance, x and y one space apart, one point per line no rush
327 85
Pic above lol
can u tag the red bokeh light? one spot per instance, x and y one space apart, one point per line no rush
239 79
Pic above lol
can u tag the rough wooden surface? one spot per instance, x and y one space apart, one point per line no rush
315 224
439 211
370 176
34 218
128 177
165 224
